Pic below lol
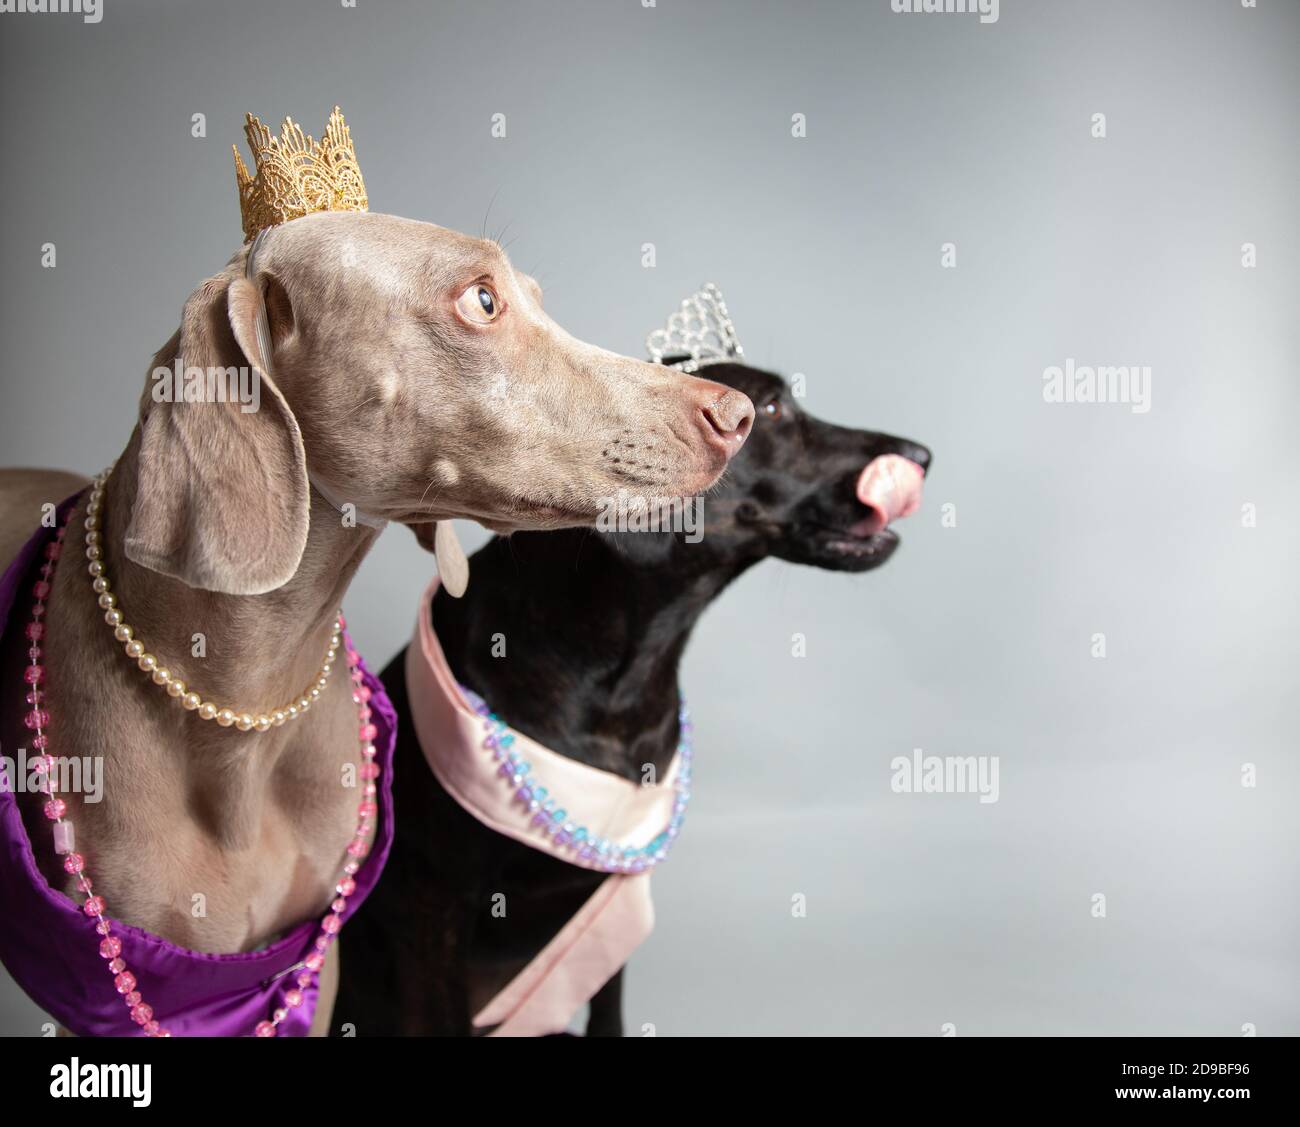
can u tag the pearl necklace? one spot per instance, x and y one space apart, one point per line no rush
161 676
37 720
553 819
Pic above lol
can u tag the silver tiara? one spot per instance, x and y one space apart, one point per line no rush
699 333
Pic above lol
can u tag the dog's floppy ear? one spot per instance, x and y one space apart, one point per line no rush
222 499
439 537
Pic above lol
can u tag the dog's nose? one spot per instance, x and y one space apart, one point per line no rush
727 417
912 451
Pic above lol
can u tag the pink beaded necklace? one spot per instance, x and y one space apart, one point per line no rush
37 721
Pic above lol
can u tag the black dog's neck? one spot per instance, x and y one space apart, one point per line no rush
593 628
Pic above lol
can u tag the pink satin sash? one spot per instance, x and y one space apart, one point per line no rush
617 918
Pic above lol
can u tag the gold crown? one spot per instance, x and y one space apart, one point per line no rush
297 176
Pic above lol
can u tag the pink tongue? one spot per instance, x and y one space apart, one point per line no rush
890 487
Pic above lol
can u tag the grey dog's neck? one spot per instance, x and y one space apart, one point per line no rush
257 817
252 652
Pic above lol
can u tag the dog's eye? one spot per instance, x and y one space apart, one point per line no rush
772 408
479 304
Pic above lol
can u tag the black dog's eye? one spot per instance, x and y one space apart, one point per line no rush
772 408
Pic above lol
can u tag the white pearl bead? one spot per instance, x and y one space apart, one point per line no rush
148 663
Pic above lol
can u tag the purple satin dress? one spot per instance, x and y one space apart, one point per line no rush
52 949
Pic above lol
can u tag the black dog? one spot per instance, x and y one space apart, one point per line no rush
596 625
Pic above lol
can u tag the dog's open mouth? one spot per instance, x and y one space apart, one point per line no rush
888 489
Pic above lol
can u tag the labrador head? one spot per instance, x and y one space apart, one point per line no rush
802 490
809 491
413 373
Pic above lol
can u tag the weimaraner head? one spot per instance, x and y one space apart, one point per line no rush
413 374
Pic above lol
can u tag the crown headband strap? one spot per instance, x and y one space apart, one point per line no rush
262 329
260 325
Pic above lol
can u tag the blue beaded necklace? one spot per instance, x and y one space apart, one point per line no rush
553 820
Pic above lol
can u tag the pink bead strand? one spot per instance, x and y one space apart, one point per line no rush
37 719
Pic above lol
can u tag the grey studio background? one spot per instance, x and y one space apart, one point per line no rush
671 125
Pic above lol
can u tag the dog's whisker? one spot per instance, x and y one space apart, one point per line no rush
482 230
354 410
